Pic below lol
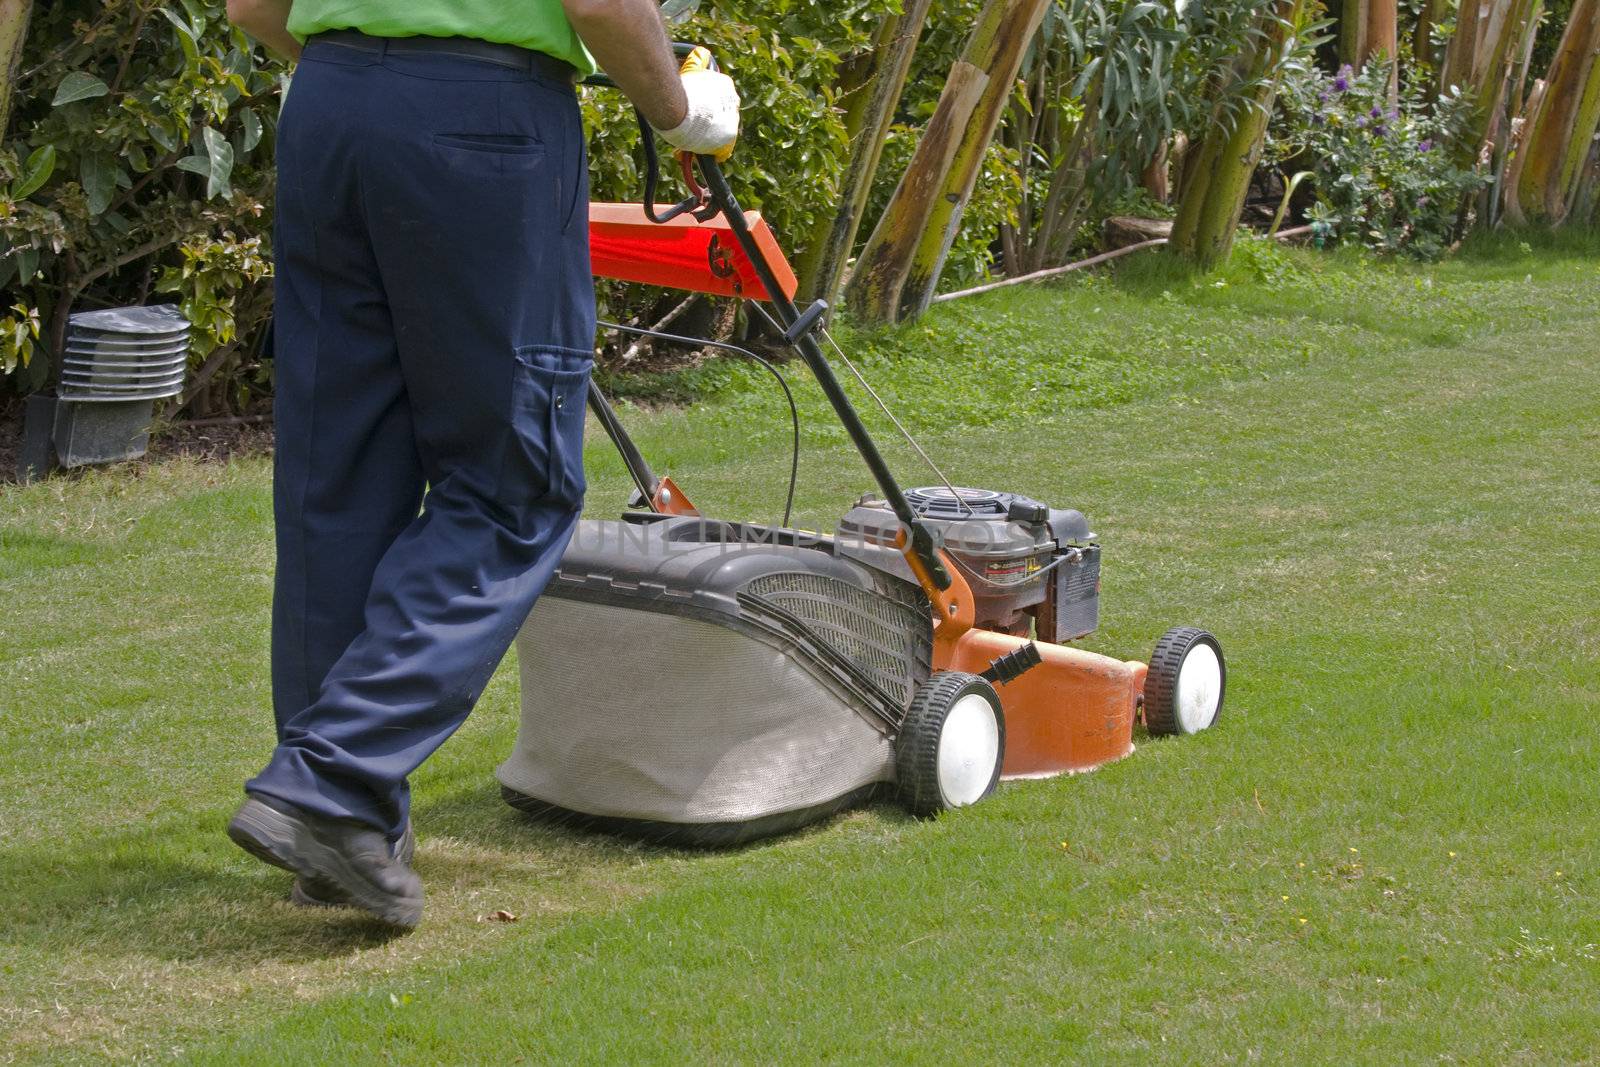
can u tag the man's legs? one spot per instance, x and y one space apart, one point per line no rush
346 477
470 182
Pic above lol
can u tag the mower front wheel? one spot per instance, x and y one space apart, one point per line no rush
951 745
1188 677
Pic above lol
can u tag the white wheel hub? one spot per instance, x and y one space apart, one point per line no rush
1199 688
969 747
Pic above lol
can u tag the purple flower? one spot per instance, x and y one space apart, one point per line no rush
1381 130
1425 146
1325 96
1341 82
1376 112
1362 121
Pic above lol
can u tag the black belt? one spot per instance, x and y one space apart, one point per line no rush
503 55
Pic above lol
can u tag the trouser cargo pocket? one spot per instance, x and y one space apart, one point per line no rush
544 456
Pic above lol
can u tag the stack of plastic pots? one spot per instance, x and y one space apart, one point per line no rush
125 354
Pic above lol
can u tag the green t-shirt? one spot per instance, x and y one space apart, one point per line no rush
538 24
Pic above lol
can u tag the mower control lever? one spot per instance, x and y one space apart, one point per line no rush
808 319
698 201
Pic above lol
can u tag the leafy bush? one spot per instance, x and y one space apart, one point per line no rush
139 155
141 163
1384 174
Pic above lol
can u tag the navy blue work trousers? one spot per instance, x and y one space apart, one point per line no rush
434 336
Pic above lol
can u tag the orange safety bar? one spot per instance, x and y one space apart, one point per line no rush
682 253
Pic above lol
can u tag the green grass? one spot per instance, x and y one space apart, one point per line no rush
1376 483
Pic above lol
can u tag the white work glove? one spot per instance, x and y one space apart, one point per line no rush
711 125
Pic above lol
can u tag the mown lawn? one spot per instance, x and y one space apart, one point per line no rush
1379 485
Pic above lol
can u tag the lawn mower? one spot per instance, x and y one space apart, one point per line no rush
703 681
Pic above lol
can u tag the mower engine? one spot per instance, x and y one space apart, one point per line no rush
1033 569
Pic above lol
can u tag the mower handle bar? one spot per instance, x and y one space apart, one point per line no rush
717 198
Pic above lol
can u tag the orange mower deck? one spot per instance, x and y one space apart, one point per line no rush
1072 712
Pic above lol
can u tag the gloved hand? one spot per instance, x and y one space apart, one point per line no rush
711 125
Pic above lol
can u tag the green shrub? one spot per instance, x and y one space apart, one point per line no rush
140 162
1385 175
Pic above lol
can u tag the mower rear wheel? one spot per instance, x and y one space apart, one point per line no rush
951 745
1184 689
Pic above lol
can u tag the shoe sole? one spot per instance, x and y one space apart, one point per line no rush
301 897
283 841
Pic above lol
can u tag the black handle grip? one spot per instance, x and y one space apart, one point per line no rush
697 202
652 176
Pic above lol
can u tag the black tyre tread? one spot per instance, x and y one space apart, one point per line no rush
916 754
1161 684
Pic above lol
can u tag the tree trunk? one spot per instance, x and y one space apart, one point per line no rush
13 35
1179 165
1204 229
1225 159
1542 180
1586 205
1382 41
1422 41
1510 107
880 274
1154 178
1058 218
920 210
1029 131
1368 30
1353 32
868 117
1489 36
999 54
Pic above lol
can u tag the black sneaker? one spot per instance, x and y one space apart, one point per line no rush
321 893
350 856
